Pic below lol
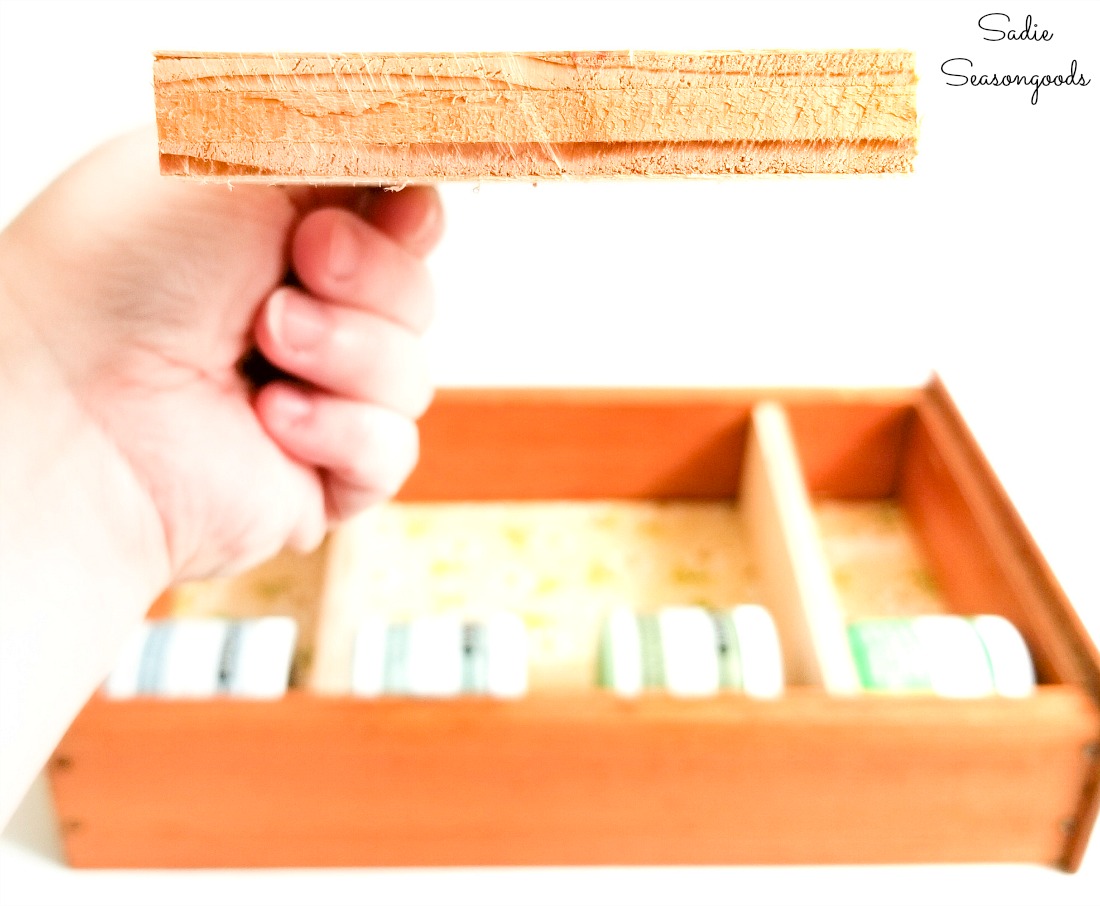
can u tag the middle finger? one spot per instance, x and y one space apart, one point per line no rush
347 351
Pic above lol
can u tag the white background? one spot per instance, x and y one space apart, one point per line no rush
981 265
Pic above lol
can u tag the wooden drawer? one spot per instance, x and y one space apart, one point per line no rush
571 774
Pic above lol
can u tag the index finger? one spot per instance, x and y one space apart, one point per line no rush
412 216
341 258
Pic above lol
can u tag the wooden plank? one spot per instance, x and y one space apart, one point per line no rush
798 584
571 780
418 117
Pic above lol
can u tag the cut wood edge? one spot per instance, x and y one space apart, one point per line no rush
798 584
396 118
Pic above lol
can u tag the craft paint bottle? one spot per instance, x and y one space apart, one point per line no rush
441 657
257 657
692 652
760 651
200 658
950 656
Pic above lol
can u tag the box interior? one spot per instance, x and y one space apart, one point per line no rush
559 508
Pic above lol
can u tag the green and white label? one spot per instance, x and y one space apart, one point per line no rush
949 656
690 652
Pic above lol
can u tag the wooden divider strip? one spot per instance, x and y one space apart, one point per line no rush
345 582
799 589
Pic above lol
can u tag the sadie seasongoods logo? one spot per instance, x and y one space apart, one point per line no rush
997 27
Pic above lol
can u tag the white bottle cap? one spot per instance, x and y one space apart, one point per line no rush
435 657
955 656
623 652
1009 660
368 665
192 657
761 655
729 654
256 658
474 654
690 650
507 651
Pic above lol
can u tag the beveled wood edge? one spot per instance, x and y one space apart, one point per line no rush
1087 658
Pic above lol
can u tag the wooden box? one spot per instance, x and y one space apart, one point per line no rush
578 776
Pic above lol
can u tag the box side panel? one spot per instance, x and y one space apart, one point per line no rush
483 444
579 445
986 561
984 554
850 449
590 780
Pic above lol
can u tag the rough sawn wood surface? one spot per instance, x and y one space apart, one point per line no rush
426 117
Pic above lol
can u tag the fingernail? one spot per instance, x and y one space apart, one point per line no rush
343 249
298 323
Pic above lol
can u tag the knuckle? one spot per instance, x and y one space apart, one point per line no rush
390 368
384 451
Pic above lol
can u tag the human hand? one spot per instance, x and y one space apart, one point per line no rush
146 292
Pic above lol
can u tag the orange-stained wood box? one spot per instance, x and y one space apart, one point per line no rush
586 778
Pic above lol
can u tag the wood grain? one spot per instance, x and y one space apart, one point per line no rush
571 780
416 117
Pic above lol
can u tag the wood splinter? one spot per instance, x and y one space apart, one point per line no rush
369 118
